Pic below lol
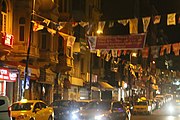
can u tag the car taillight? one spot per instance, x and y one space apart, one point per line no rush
9 111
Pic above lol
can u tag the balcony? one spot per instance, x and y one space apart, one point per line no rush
19 52
65 64
47 57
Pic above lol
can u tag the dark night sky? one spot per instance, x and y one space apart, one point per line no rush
126 9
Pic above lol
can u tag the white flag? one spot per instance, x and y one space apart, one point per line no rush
133 26
171 19
146 21
70 41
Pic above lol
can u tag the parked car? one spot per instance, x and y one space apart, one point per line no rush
5 108
142 107
159 102
64 109
103 110
31 110
83 103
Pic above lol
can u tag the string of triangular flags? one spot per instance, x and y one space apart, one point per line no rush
133 23
154 51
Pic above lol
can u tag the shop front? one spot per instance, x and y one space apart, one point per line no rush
74 91
8 77
45 86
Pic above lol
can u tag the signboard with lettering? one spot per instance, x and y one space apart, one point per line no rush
5 74
7 39
134 41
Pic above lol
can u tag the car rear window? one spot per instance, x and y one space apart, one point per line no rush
21 106
2 102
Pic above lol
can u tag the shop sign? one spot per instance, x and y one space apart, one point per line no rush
7 39
5 74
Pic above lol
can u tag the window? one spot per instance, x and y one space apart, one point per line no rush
2 102
63 6
21 28
43 105
82 65
44 40
4 17
78 5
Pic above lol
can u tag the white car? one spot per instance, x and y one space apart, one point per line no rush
5 108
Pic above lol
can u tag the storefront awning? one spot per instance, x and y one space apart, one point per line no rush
76 81
105 86
95 88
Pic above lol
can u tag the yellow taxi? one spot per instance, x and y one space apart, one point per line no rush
31 110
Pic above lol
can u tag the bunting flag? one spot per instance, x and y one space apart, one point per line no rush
89 29
145 52
176 48
119 53
92 42
133 26
70 41
74 24
157 19
98 53
123 22
108 57
37 26
65 36
103 53
179 20
59 27
51 31
83 24
171 19
165 49
124 52
111 24
101 27
155 51
146 21
114 53
46 21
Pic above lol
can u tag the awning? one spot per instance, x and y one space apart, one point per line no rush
76 81
95 88
105 86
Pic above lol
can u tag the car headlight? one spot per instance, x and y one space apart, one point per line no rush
74 115
99 117
170 108
149 108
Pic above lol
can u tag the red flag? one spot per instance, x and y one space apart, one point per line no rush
176 48
166 49
37 26
145 52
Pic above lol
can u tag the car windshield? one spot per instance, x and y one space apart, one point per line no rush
102 105
21 106
141 103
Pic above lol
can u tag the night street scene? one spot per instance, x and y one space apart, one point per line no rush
90 60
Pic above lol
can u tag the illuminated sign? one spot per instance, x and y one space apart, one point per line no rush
7 39
5 74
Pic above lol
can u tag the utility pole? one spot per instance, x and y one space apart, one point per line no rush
29 46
